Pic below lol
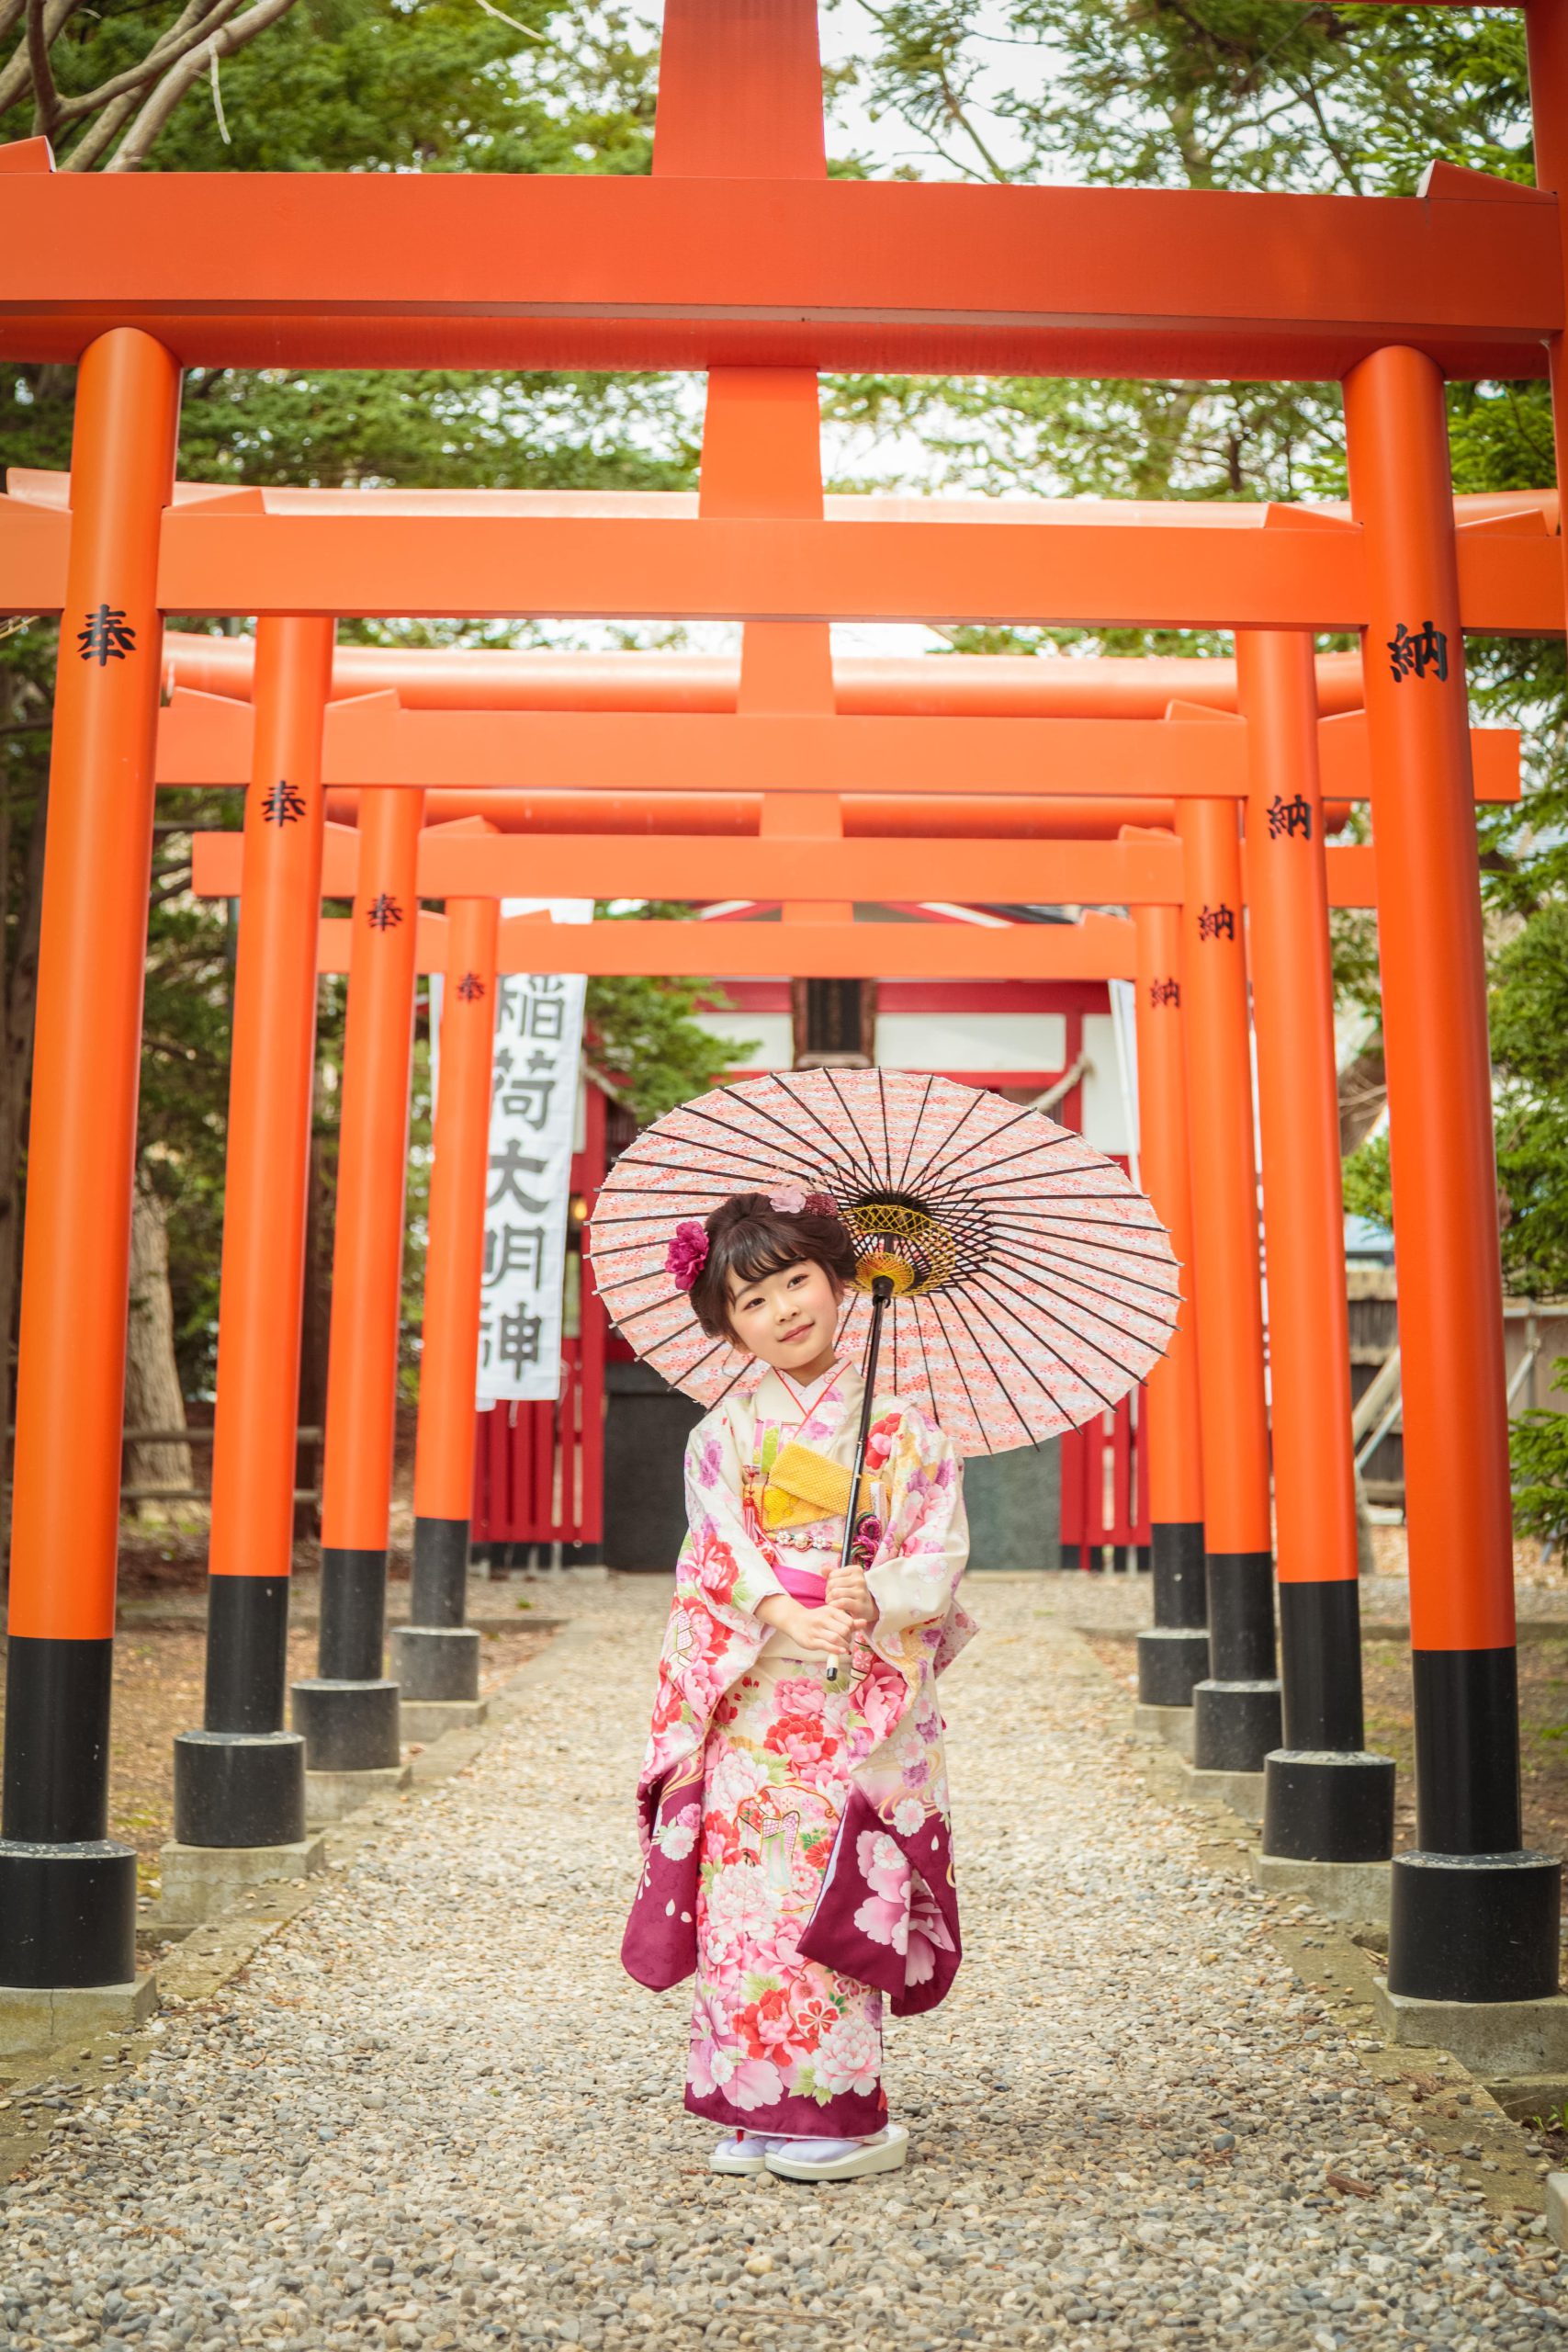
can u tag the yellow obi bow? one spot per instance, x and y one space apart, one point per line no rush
803 1485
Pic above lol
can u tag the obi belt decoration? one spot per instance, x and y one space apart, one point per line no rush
804 1486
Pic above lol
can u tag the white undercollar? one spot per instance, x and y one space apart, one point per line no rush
808 1396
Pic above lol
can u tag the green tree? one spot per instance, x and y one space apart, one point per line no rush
308 85
1261 95
643 1035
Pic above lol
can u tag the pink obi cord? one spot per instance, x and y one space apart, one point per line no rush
801 1585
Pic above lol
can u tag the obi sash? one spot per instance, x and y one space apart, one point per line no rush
800 1584
803 1485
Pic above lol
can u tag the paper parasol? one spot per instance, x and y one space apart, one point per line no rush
1032 1284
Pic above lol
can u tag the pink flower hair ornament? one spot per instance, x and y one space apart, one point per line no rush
792 1200
687 1253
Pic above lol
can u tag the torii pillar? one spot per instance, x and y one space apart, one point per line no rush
1237 1718
67 1890
1329 1805
240 1780
1474 1916
349 1712
436 1655
1173 1657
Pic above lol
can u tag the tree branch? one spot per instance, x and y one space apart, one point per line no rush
46 97
100 135
138 141
16 79
194 24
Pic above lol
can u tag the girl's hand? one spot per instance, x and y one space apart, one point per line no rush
848 1590
826 1633
820 1633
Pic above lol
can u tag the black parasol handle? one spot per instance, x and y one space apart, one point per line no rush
881 1292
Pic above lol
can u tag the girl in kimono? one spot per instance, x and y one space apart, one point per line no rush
794 1800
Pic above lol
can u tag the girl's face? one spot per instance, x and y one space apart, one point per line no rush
789 1319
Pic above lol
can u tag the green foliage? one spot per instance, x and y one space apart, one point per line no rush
1262 94
1529 1043
1369 1190
1353 944
186 1022
336 85
1538 1445
1237 94
642 1035
1201 94
345 85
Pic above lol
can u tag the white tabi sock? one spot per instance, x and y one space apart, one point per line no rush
747 2144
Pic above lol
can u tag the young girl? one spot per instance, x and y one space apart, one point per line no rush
793 1809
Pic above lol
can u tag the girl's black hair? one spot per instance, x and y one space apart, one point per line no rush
749 1237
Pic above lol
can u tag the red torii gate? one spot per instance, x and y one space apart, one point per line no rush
1159 294
1327 1826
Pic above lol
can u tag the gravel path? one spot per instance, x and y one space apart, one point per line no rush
436 2113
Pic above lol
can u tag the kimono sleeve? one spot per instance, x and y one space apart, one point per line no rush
720 1554
925 1547
713 1633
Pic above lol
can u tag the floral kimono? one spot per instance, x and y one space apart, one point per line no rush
797 1852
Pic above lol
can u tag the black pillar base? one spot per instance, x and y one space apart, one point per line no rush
1320 1665
239 1788
438 1593
1181 1592
247 1653
354 1613
67 1914
57 1745
1474 1926
1467 1751
1072 1556
347 1727
1328 1805
1241 1617
1235 1725
436 1661
1171 1660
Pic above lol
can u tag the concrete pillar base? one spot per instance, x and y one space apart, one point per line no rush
1489 2036
1355 1891
1243 1792
1172 1660
333 1796
1556 2207
200 1880
1235 1726
40 2016
426 1719
434 1662
1171 1726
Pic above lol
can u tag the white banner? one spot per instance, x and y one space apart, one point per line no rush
533 1126
1124 1015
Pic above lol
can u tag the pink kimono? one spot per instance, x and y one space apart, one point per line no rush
797 1851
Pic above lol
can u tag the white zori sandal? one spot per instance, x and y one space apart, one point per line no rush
839 2159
